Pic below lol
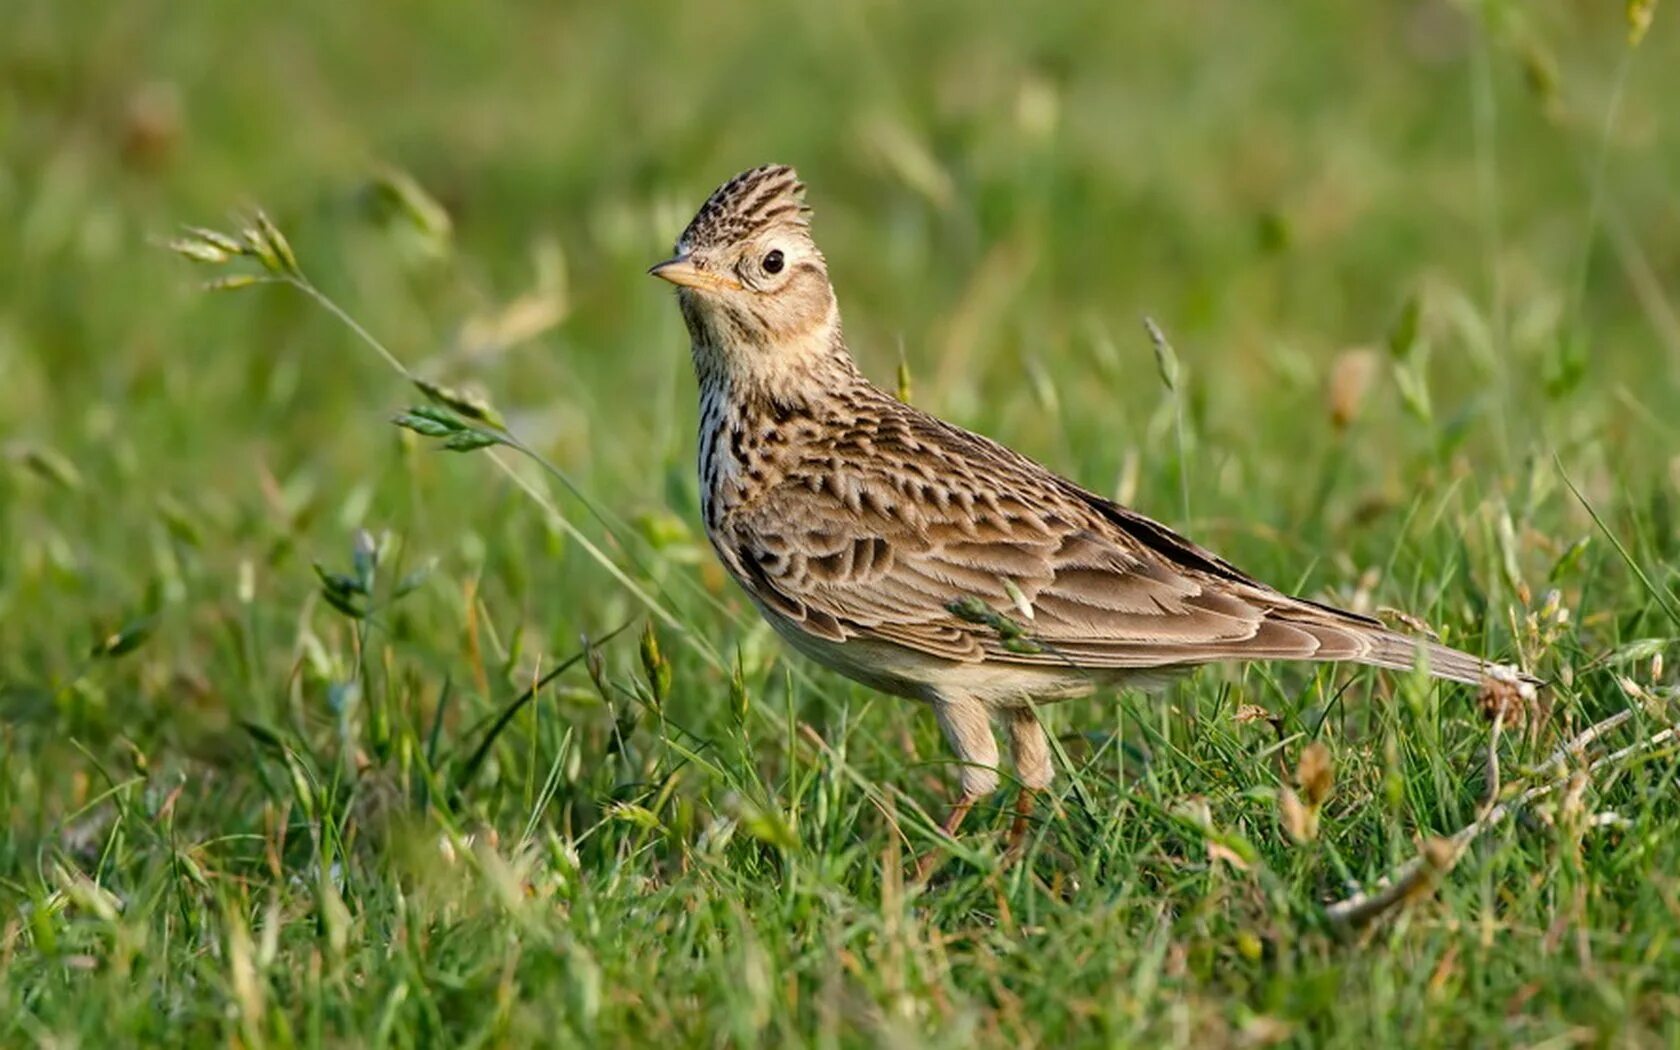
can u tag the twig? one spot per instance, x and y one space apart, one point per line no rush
1416 877
1491 788
1438 856
1579 744
1633 749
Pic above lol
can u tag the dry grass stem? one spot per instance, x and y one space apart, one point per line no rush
1438 856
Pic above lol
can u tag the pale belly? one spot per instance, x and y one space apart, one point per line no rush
907 673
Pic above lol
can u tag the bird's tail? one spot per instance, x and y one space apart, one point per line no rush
1401 653
1347 636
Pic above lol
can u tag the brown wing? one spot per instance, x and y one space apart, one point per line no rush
879 545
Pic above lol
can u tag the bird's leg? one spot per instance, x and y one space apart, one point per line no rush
1030 749
1023 818
968 729
954 819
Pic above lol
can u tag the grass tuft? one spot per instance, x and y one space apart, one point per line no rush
310 737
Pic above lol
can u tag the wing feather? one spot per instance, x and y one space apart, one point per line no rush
891 575
877 543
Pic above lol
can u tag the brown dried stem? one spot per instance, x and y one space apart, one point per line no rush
1438 856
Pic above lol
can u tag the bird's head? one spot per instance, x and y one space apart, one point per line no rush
752 285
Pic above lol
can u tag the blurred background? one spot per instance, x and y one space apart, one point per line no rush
1003 193
1398 248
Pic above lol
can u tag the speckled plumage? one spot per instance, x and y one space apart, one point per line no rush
855 521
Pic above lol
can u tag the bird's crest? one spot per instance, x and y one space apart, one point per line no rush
751 201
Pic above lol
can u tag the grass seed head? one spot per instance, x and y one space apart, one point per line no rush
1300 822
1639 15
655 666
278 245
396 194
468 404
216 238
233 282
48 463
1350 379
201 251
1166 361
1314 774
1403 334
470 440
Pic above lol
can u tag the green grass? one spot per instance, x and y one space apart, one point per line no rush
244 802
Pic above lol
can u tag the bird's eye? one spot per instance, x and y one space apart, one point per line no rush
773 262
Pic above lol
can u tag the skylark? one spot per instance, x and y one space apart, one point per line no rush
929 562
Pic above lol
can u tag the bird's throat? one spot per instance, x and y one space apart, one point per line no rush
744 367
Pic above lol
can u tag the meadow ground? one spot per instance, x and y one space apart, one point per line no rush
265 778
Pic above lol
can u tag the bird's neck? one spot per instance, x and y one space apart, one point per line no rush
738 376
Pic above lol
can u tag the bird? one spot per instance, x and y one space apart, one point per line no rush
932 563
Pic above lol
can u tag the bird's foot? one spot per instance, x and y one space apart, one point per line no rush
1023 822
930 859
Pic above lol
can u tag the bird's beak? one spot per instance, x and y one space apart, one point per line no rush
682 271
